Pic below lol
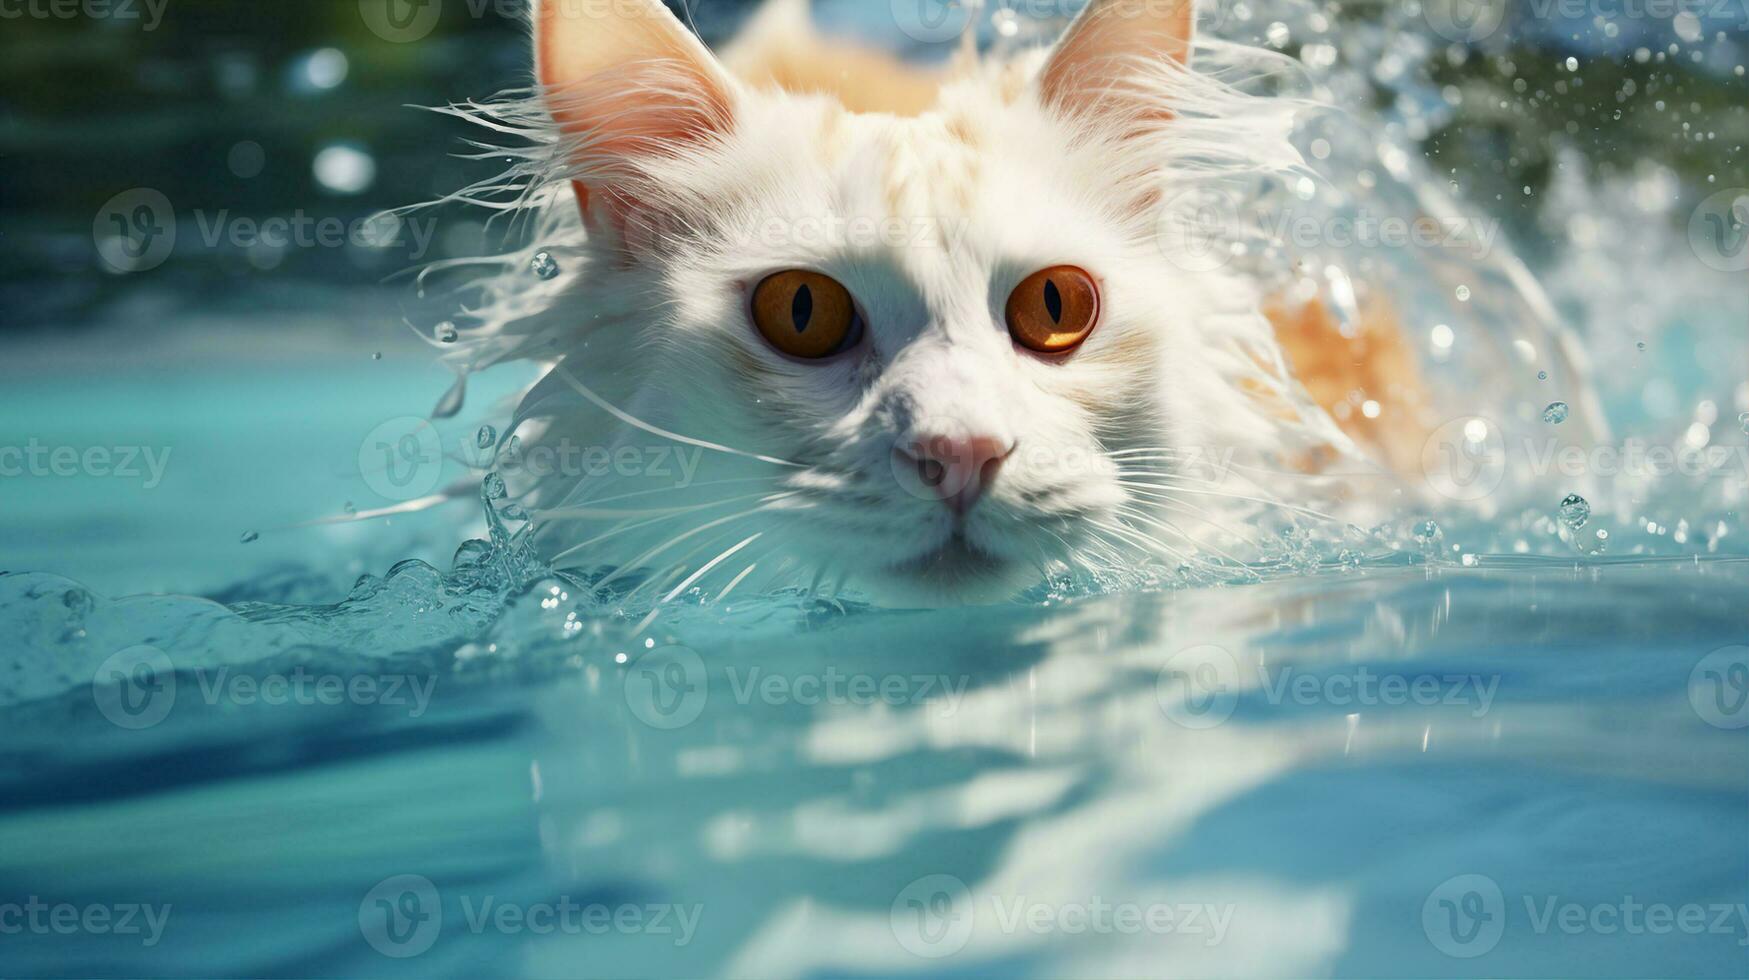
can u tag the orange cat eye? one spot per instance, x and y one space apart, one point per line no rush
806 314
1053 310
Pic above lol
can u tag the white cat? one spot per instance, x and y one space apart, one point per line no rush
927 335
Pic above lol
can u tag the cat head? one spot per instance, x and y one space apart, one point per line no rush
950 350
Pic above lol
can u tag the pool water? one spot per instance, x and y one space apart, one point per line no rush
822 791
249 736
1396 769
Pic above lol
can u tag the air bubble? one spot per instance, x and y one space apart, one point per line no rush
494 487
1743 420
1542 376
1429 533
1575 511
447 333
250 537
1556 413
486 437
544 265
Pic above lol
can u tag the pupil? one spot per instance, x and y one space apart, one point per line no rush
801 309
1053 301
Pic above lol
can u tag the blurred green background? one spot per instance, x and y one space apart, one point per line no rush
302 109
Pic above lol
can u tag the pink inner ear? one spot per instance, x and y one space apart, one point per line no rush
1109 42
624 87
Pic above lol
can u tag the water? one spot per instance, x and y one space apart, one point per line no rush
1472 740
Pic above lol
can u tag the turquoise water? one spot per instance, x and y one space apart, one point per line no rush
1354 772
244 740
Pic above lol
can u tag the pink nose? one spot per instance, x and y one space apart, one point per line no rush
957 470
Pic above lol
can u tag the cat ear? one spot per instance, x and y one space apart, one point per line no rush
625 80
1109 43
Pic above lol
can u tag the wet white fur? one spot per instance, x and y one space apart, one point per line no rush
664 336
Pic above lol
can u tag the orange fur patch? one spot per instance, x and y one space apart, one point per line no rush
1343 372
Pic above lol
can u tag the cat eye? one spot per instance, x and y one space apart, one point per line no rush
806 315
1053 310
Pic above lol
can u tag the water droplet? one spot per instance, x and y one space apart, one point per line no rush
544 265
1463 294
250 537
1542 376
1429 533
451 403
486 437
1556 413
1575 511
494 487
447 333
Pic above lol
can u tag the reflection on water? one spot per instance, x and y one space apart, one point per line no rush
1277 779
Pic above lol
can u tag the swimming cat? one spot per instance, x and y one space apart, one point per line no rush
934 334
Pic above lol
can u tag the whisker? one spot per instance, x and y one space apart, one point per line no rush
741 576
564 372
707 566
627 528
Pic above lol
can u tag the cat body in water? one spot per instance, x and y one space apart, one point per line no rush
926 334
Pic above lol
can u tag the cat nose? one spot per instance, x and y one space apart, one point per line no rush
956 470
